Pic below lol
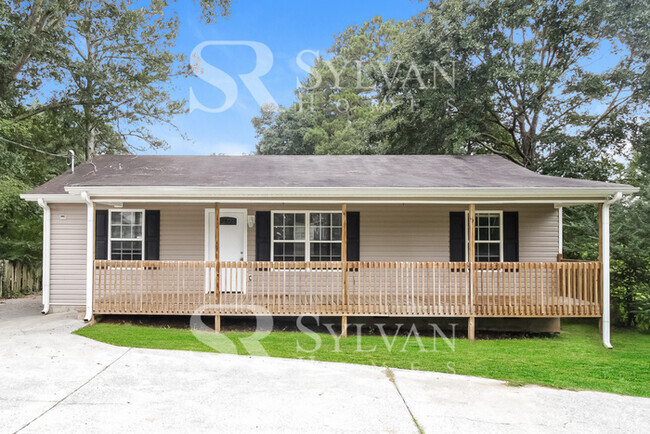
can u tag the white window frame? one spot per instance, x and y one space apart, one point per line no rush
306 241
110 236
484 211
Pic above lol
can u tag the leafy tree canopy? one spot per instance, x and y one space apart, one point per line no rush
337 104
109 64
87 75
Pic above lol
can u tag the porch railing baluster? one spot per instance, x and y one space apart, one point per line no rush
540 289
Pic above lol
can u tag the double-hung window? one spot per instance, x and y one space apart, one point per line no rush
307 236
289 230
325 235
126 239
489 236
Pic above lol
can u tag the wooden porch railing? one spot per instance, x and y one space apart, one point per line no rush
452 289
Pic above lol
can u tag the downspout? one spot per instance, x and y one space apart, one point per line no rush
90 241
46 254
605 265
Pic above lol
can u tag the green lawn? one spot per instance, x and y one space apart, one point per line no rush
574 360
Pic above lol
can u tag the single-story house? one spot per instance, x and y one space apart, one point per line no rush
426 236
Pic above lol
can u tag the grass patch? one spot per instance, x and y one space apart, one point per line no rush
573 360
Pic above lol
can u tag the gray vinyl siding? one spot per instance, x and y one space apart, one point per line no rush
421 232
182 229
388 233
404 233
538 233
68 254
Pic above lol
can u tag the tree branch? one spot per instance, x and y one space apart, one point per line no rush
54 106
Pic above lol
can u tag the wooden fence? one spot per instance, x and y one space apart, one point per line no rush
18 279
496 289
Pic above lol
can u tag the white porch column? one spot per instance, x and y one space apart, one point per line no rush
560 227
46 254
604 240
90 255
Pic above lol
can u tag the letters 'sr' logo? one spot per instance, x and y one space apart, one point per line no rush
224 82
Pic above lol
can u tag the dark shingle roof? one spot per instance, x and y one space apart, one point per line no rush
381 171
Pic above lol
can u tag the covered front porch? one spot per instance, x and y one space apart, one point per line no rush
350 286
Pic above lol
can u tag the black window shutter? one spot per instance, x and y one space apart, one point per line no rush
101 234
353 239
511 236
152 235
263 236
457 236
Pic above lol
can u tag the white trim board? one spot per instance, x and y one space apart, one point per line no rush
395 201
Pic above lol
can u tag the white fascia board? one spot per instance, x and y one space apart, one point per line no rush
348 201
397 193
119 201
53 198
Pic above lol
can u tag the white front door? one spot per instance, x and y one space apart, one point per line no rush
232 247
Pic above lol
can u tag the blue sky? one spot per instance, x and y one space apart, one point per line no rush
286 27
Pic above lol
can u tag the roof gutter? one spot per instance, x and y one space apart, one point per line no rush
53 198
46 254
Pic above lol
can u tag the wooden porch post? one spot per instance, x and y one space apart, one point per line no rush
471 327
344 267
471 256
217 271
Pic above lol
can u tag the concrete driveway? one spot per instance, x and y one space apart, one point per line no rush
51 380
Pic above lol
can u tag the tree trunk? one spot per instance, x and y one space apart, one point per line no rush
91 133
90 142
528 147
